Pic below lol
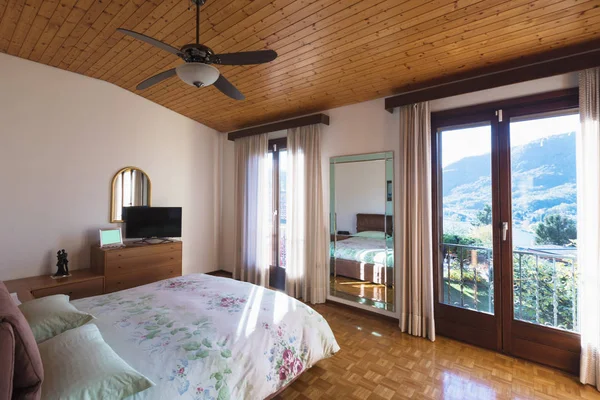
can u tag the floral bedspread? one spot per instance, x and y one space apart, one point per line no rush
204 337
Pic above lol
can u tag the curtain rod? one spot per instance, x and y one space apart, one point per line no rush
279 126
555 62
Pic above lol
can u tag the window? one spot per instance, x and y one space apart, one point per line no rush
277 190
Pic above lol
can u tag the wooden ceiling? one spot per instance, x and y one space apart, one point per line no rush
331 52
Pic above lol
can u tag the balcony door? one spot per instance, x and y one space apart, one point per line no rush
465 175
506 227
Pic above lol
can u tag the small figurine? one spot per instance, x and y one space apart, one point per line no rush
62 263
65 261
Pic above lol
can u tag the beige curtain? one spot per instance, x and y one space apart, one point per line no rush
307 243
588 224
137 188
253 220
415 261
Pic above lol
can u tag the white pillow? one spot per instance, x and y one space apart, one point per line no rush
372 235
78 364
52 315
15 298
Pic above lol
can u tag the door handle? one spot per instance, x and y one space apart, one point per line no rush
504 231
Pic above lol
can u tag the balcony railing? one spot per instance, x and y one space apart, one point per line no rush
544 284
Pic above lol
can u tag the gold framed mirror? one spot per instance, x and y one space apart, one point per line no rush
130 187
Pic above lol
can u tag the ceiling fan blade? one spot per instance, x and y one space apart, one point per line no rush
153 80
152 41
228 89
246 57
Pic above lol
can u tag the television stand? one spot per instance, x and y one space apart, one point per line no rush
154 240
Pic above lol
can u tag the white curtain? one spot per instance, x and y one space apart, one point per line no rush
588 224
307 243
253 219
415 261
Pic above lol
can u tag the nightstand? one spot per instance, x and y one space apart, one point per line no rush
81 283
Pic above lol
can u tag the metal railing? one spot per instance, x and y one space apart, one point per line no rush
544 284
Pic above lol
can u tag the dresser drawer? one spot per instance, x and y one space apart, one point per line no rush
76 290
141 277
115 255
143 262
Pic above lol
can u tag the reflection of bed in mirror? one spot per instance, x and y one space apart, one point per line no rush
367 255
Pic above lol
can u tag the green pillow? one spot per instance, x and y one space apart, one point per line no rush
52 315
78 364
372 235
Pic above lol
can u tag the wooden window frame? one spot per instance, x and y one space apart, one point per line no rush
560 349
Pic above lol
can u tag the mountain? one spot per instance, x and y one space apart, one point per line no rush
543 182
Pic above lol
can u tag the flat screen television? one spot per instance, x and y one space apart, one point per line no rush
152 222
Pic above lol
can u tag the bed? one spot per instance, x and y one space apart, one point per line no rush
205 337
366 258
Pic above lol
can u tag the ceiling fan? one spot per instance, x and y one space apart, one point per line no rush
197 70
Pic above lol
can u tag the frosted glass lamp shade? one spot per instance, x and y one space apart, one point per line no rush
197 74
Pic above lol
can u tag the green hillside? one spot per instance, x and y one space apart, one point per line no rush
543 183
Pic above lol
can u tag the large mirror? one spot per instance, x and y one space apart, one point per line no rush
130 187
362 229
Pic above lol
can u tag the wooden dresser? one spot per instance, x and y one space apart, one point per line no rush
81 283
136 264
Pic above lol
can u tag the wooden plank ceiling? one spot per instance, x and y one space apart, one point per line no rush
331 52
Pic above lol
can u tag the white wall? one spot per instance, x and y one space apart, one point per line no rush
360 187
226 249
62 138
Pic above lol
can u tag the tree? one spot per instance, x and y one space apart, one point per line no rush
484 217
556 229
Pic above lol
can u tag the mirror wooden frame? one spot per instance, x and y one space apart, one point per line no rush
112 190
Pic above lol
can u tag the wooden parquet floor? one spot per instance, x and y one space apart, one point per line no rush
364 289
377 362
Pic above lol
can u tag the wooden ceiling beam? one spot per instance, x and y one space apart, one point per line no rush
280 126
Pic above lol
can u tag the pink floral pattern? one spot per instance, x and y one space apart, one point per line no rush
287 355
229 303
181 285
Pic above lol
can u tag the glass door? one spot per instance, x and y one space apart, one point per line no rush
467 276
278 198
540 247
505 227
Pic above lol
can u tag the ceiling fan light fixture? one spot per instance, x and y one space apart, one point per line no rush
197 74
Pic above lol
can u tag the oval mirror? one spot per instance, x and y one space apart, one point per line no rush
130 187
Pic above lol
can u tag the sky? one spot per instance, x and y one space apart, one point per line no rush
460 143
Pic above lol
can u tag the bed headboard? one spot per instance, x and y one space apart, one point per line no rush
374 222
